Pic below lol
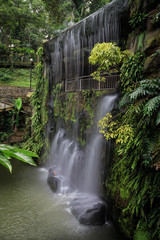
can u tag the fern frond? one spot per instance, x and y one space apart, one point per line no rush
158 119
147 87
152 106
125 100
150 83
141 233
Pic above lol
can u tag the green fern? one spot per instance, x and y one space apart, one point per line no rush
158 119
152 106
141 233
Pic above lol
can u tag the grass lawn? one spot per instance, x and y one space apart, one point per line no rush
17 77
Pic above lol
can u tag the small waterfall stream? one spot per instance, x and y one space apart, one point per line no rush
79 170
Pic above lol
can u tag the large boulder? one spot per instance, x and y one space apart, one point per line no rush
88 211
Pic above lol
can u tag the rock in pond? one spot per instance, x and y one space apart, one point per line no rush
53 180
89 210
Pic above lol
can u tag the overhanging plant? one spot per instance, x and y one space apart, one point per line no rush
7 152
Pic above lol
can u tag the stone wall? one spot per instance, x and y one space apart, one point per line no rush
13 92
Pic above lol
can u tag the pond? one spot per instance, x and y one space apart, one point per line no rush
29 210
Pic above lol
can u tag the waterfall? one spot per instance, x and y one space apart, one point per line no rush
76 170
94 148
67 54
79 170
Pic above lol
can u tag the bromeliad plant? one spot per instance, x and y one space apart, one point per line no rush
7 152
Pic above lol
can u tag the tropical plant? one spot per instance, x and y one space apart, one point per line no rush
132 72
108 57
135 174
36 141
17 109
138 20
7 152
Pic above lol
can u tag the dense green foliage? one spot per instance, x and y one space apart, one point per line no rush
39 119
134 176
23 26
7 152
132 72
138 20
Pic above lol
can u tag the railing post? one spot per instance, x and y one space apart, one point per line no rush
65 85
80 84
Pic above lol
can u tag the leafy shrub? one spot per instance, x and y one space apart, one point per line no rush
132 72
138 20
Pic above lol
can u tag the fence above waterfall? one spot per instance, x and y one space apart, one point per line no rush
87 82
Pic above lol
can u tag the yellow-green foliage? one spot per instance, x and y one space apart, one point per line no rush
111 130
108 57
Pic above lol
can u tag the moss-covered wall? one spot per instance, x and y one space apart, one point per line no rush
76 110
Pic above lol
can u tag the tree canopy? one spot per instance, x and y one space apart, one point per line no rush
24 24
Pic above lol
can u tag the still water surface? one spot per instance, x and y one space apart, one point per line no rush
30 211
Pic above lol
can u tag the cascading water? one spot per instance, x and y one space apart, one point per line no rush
66 57
94 148
79 172
67 54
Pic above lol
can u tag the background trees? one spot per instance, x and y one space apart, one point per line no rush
24 24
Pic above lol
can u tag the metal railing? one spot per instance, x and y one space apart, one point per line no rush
87 82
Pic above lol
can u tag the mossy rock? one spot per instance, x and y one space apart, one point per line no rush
152 40
153 21
132 42
135 6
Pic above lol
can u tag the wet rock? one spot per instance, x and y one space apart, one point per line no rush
152 40
152 65
90 213
53 180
